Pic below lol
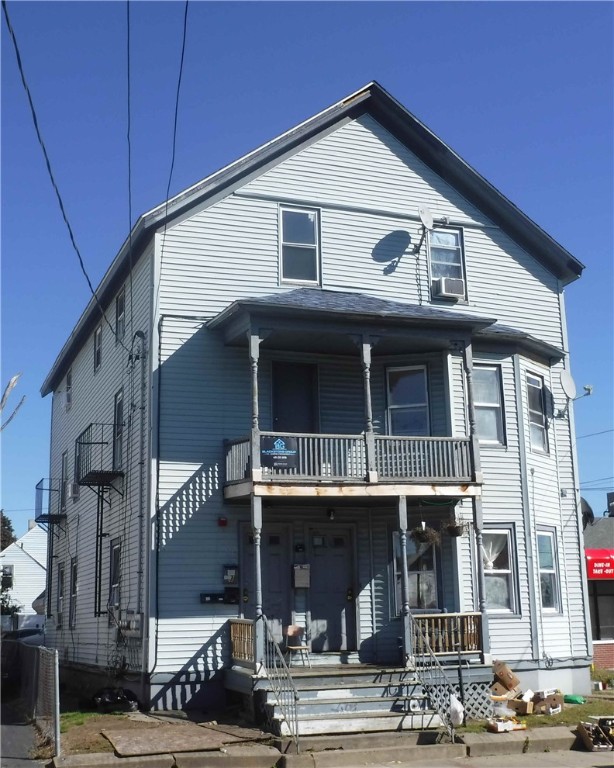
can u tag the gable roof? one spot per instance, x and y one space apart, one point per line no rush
371 99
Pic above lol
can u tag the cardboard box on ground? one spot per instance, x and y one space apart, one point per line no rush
507 694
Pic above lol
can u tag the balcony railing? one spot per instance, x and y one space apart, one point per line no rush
96 457
50 501
344 458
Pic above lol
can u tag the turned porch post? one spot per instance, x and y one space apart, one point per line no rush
478 519
259 628
365 357
408 646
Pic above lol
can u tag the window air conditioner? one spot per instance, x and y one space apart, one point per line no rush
449 287
73 491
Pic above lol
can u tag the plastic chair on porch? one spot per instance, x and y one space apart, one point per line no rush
296 643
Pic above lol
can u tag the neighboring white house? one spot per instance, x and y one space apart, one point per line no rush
24 572
338 338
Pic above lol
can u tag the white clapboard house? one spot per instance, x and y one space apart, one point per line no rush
341 343
23 565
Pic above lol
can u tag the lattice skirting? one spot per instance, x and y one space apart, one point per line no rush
478 704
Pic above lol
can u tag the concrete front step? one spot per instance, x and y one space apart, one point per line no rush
358 705
311 725
308 692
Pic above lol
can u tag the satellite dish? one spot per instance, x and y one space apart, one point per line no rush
567 384
426 217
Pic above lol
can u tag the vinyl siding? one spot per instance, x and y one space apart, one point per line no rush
92 640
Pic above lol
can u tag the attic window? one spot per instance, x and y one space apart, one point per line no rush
299 246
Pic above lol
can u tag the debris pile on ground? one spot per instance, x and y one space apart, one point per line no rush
509 700
598 735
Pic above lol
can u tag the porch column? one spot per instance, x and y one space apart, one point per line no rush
259 628
408 646
478 520
365 357
254 355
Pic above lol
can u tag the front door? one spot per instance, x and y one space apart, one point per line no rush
295 397
275 565
332 600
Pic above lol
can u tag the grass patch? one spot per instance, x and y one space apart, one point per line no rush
72 719
571 715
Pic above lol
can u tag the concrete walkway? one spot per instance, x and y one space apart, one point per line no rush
18 739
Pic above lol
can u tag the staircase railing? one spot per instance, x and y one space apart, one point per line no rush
435 682
281 682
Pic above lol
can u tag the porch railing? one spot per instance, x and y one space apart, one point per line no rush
436 684
344 458
281 682
242 641
448 633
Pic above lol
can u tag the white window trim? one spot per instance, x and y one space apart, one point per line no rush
551 534
514 609
461 238
118 430
59 598
115 586
120 315
500 405
64 481
74 591
97 348
544 426
292 280
426 404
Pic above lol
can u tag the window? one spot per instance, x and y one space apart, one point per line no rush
59 600
537 413
498 572
7 576
488 401
548 572
408 408
446 257
114 575
64 481
299 246
68 394
118 430
422 574
97 347
120 315
72 610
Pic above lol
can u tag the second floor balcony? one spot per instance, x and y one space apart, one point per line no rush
287 459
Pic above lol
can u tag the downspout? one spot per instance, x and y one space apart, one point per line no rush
142 356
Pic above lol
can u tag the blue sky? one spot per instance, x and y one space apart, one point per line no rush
522 91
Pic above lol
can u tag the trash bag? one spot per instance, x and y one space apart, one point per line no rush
457 711
115 699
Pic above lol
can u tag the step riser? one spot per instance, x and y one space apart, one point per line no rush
388 691
357 706
360 724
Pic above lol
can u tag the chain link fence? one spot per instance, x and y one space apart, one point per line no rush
32 671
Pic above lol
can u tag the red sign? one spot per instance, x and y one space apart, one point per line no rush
599 563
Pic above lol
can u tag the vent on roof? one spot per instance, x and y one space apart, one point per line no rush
449 288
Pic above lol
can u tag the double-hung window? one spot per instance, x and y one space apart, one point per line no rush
120 315
408 406
97 348
538 427
421 571
114 575
59 600
118 430
447 263
68 393
7 576
72 609
300 260
488 401
548 571
497 554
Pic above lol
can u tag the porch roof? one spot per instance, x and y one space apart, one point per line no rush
499 332
353 308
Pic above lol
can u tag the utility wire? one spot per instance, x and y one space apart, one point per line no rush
129 142
50 171
175 119
592 434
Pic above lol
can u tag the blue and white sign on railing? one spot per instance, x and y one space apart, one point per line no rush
279 452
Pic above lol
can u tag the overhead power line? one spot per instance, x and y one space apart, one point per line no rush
592 434
49 169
